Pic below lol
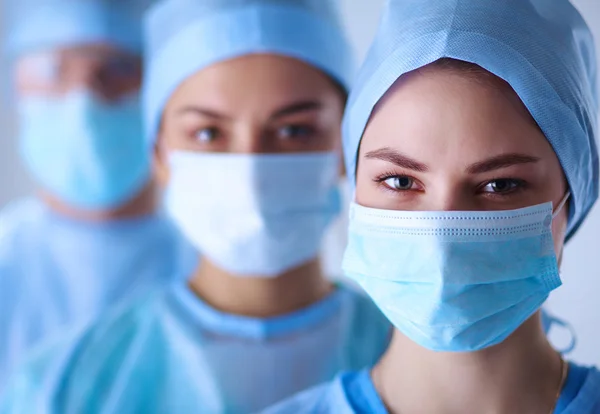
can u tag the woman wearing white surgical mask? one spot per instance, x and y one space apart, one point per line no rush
92 236
473 146
244 102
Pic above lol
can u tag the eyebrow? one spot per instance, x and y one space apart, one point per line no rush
396 158
202 111
501 161
491 164
297 107
291 109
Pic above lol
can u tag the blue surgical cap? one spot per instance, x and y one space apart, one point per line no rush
41 24
185 36
542 48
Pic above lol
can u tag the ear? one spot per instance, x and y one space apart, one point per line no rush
160 162
342 166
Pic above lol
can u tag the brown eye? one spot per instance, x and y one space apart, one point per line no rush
290 132
400 183
207 135
501 186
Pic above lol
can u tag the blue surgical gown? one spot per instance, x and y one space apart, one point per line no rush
172 353
354 393
56 273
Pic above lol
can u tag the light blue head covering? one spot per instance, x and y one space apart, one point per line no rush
39 24
542 48
185 36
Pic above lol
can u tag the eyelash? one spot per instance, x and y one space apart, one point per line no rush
520 184
380 180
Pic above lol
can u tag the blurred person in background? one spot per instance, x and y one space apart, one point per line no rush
243 107
93 234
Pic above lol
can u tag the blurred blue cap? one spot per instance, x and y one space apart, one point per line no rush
31 25
185 36
542 48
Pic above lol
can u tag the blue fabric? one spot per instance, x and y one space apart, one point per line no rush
361 393
352 393
180 40
31 25
575 380
56 273
418 268
83 151
587 400
551 65
171 353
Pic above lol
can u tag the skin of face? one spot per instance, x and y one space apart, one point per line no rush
109 72
443 141
255 104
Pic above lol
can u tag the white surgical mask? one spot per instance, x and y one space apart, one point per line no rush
254 215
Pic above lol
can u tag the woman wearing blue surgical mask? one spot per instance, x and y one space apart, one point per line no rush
473 147
92 235
243 116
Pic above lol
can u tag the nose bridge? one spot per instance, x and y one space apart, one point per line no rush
84 73
453 202
248 138
448 194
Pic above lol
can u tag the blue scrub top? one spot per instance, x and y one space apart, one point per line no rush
355 393
172 353
56 273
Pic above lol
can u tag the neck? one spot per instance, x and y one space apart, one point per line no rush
143 204
521 375
260 297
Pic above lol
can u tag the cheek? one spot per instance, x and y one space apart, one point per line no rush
171 135
335 138
362 190
367 192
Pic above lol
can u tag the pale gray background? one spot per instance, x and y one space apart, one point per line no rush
578 301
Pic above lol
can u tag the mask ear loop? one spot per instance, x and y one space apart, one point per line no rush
554 321
561 205
551 320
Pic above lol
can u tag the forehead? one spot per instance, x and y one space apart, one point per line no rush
260 77
462 113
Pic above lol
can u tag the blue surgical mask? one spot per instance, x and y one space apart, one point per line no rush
87 153
454 281
254 215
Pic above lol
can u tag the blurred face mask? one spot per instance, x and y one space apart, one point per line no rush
85 152
454 281
254 215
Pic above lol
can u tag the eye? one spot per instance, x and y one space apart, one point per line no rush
291 132
502 186
207 135
400 183
122 67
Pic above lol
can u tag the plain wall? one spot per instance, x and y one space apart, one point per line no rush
578 301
